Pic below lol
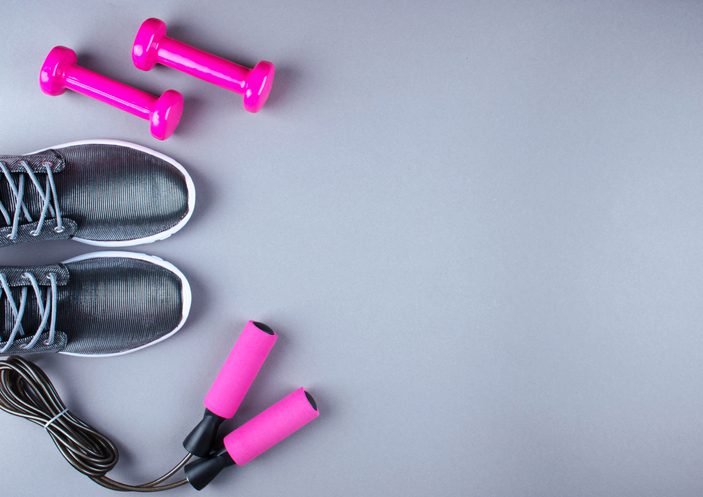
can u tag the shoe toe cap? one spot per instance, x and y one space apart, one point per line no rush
115 305
123 194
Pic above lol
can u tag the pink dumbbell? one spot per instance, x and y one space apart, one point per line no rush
61 71
152 46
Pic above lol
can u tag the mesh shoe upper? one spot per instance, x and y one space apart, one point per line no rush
106 192
105 304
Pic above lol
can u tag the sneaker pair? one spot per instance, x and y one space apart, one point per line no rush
104 193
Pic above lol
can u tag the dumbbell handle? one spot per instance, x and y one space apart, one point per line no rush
204 65
120 95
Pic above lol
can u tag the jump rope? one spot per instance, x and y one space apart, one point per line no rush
26 391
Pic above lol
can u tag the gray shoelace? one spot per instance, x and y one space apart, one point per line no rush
47 194
47 310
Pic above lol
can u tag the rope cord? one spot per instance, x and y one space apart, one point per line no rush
27 392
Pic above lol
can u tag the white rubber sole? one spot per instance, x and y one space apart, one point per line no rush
186 295
148 239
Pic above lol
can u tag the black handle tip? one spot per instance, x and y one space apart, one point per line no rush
203 471
201 439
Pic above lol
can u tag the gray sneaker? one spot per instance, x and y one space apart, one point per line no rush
99 304
100 192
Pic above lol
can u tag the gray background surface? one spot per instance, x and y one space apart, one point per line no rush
477 226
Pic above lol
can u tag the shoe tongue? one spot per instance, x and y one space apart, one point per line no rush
31 317
30 324
31 198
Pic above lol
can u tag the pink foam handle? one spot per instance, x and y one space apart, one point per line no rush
276 423
241 367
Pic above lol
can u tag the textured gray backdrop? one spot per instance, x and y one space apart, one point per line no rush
477 226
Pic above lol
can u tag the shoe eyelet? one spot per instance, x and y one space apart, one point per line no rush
10 237
34 233
59 230
47 342
46 163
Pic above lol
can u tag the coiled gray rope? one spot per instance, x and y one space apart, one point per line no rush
27 392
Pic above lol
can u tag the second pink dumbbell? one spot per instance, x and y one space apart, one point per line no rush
152 46
61 71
